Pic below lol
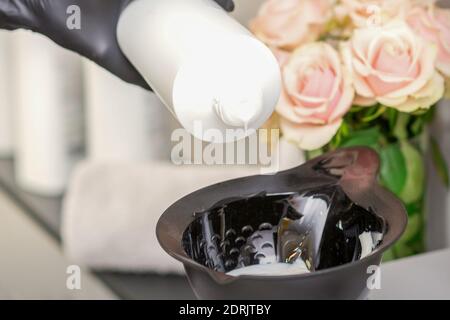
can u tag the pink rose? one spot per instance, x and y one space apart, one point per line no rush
366 13
288 23
433 24
317 93
393 67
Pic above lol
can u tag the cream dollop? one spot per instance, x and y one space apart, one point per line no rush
239 105
272 269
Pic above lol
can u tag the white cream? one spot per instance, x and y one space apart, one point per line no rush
369 241
273 269
239 104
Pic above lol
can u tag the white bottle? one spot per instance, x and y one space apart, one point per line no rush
6 108
125 123
48 113
206 67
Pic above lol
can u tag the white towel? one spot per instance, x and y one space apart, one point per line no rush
111 210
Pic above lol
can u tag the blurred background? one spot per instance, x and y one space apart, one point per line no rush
85 172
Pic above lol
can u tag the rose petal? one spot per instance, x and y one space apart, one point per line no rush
430 94
307 136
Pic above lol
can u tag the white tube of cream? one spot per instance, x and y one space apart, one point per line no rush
206 67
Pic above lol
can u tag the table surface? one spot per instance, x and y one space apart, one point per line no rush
426 276
402 279
32 263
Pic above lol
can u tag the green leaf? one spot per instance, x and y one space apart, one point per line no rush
356 109
393 168
415 173
391 115
389 255
368 137
376 114
417 126
403 250
314 153
421 119
413 227
439 162
415 207
345 130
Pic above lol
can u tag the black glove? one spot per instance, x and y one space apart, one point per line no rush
95 40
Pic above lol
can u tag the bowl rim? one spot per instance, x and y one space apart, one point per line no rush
363 168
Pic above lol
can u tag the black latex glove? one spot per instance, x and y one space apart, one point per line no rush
96 40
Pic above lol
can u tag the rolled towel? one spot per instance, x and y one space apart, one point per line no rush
111 210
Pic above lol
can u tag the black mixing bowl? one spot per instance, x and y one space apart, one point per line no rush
329 213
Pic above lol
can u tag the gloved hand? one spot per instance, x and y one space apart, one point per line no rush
96 38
